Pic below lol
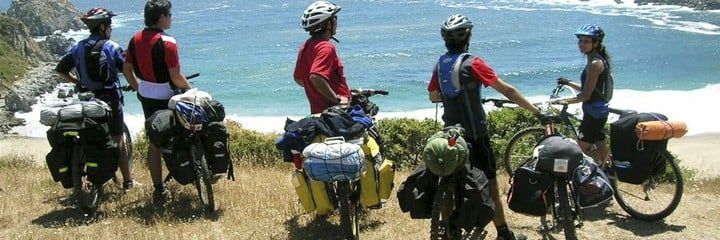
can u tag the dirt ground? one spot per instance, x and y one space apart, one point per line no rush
261 204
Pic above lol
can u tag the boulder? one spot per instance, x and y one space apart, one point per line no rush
44 17
57 44
17 103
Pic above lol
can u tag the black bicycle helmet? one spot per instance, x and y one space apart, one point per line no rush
456 28
97 16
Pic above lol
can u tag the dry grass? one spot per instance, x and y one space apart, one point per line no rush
261 205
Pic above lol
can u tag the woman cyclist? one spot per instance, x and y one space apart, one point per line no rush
595 90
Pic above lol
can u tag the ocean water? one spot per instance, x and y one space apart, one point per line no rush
665 58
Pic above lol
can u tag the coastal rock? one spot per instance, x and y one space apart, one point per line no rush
15 34
17 103
57 44
696 4
44 17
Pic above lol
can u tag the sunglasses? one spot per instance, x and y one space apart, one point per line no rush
585 40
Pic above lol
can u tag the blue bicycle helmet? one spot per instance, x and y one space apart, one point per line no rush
191 115
592 31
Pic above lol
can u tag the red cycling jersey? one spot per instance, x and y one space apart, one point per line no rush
480 70
153 52
318 56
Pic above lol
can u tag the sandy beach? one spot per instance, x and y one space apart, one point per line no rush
697 152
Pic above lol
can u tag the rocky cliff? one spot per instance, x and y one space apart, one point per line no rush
16 35
43 17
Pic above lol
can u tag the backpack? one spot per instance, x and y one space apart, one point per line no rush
606 89
96 62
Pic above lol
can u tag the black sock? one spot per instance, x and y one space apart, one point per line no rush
504 231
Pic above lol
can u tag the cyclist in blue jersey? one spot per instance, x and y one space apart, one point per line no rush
97 62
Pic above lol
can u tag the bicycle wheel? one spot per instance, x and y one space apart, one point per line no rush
86 195
565 215
520 148
203 178
442 208
349 221
128 145
657 197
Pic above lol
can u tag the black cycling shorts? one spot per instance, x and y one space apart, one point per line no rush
117 119
592 130
150 106
482 157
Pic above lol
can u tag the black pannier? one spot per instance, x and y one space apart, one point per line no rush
94 131
530 191
101 161
179 161
635 160
558 155
475 206
161 128
417 193
215 138
58 162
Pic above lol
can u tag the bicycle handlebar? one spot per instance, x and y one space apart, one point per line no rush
499 103
368 92
128 88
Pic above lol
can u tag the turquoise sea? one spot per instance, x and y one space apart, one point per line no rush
246 50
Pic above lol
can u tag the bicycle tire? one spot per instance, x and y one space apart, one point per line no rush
88 199
348 215
203 177
566 216
127 137
667 159
439 221
511 159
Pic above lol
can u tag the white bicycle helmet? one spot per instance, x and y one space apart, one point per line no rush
317 13
457 27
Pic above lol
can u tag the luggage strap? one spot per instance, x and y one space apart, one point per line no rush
640 145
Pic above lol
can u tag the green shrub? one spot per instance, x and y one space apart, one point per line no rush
405 139
245 146
251 146
503 124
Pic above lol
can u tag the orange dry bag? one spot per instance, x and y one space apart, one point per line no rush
660 130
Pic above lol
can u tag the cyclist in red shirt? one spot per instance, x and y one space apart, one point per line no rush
456 82
152 57
319 69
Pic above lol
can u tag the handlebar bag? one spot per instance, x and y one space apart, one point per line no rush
557 155
530 192
333 160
